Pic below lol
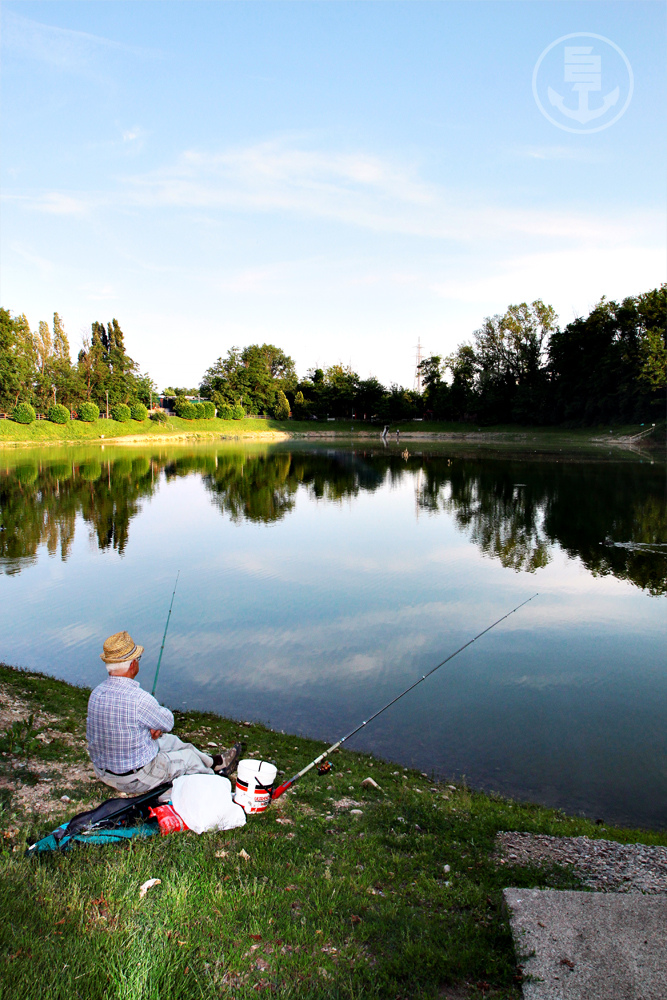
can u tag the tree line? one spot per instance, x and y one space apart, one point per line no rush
519 367
36 367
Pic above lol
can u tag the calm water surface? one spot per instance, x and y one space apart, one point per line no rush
317 583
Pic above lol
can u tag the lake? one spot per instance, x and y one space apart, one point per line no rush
317 582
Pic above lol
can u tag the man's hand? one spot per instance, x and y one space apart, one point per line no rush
156 734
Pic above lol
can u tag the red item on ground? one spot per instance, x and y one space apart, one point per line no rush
168 819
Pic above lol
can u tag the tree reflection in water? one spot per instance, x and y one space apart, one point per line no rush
513 509
39 504
502 516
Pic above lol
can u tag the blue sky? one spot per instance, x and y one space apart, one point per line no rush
336 178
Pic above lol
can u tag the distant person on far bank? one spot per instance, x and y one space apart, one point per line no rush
129 733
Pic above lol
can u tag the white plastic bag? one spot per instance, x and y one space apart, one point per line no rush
204 801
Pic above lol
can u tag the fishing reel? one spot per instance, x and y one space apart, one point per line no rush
325 767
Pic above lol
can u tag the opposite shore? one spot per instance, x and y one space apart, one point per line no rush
103 432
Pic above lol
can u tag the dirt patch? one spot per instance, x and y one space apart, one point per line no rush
15 709
32 785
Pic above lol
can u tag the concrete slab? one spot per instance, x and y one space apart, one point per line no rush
590 945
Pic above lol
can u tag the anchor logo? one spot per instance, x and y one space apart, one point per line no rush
585 72
582 69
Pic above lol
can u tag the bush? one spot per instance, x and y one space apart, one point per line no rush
185 411
159 417
24 413
58 414
281 406
121 413
89 412
200 411
225 412
138 411
209 410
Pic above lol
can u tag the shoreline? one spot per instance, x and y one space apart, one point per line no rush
61 691
341 888
537 438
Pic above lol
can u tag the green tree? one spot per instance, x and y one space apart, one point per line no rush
338 390
251 377
510 351
369 398
105 366
609 366
281 409
435 391
43 344
462 393
11 381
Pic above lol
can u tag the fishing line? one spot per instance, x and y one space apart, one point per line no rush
334 746
159 659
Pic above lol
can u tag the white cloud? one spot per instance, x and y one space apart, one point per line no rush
63 49
51 202
362 190
34 259
354 190
579 154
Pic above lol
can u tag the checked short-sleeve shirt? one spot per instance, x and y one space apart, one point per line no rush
120 717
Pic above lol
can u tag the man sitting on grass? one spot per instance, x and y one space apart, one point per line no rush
127 726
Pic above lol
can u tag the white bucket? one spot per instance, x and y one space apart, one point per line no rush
254 782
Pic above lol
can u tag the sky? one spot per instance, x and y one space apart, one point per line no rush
342 180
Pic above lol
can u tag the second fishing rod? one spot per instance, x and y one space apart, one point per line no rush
159 659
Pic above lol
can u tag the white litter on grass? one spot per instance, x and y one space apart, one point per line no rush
244 854
369 783
143 889
221 854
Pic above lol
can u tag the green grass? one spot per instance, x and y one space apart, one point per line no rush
76 431
44 432
328 905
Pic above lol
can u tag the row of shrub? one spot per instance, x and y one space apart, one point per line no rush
205 410
24 413
231 412
194 411
88 412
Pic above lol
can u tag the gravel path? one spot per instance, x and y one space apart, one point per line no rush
603 865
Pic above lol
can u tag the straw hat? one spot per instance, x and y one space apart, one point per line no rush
120 648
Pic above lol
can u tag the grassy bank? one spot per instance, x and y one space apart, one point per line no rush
42 432
77 431
323 903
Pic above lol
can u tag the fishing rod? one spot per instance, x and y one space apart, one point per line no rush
159 659
334 746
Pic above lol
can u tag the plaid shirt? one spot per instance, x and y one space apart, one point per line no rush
120 717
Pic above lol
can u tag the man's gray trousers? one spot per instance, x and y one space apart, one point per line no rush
173 759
